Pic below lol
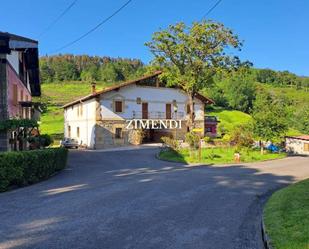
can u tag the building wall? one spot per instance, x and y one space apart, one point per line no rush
82 116
23 93
13 59
3 90
98 122
296 146
157 98
3 104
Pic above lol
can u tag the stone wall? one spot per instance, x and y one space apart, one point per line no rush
105 134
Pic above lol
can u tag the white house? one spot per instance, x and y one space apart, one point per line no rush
297 145
120 114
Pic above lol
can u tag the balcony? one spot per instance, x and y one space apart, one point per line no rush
30 110
157 115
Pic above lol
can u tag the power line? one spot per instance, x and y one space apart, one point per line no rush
58 18
94 28
212 8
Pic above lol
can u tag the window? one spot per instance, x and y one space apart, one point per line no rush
77 132
81 110
21 95
118 133
168 111
118 106
69 131
306 146
15 97
138 100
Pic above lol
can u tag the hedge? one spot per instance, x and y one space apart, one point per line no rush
27 167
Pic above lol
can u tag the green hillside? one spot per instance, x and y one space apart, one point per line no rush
230 118
54 96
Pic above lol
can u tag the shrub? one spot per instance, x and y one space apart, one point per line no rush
242 136
208 140
40 141
193 140
27 167
171 143
45 140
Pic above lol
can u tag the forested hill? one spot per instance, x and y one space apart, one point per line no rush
66 78
70 67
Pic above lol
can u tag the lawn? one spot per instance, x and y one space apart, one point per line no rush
217 155
229 119
287 217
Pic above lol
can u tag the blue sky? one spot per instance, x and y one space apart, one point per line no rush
275 32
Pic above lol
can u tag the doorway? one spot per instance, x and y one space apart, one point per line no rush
145 110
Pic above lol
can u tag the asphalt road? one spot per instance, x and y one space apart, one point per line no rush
129 199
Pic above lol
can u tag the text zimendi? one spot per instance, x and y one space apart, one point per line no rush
153 124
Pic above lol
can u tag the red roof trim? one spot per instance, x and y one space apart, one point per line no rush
301 137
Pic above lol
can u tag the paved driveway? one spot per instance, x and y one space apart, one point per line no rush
129 199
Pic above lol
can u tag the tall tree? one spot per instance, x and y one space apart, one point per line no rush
270 117
191 55
240 90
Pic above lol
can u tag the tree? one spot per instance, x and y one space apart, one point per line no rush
269 116
90 74
266 76
239 91
191 56
46 72
65 70
301 119
109 73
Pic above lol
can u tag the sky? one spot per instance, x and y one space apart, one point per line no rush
275 32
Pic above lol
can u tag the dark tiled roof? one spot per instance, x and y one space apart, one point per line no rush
16 37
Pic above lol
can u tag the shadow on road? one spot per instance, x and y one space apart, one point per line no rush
129 199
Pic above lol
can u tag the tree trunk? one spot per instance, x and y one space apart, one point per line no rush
262 147
191 114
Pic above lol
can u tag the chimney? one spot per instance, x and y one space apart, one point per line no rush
93 85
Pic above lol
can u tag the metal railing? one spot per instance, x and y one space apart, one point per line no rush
157 115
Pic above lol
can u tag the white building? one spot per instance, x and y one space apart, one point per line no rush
101 119
298 145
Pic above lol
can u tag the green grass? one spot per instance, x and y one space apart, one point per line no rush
55 95
230 118
287 217
217 155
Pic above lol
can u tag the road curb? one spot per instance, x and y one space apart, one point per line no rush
265 237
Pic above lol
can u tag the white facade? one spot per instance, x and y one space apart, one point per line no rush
83 119
297 146
156 97
79 122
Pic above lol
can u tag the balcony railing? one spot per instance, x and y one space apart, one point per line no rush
157 115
